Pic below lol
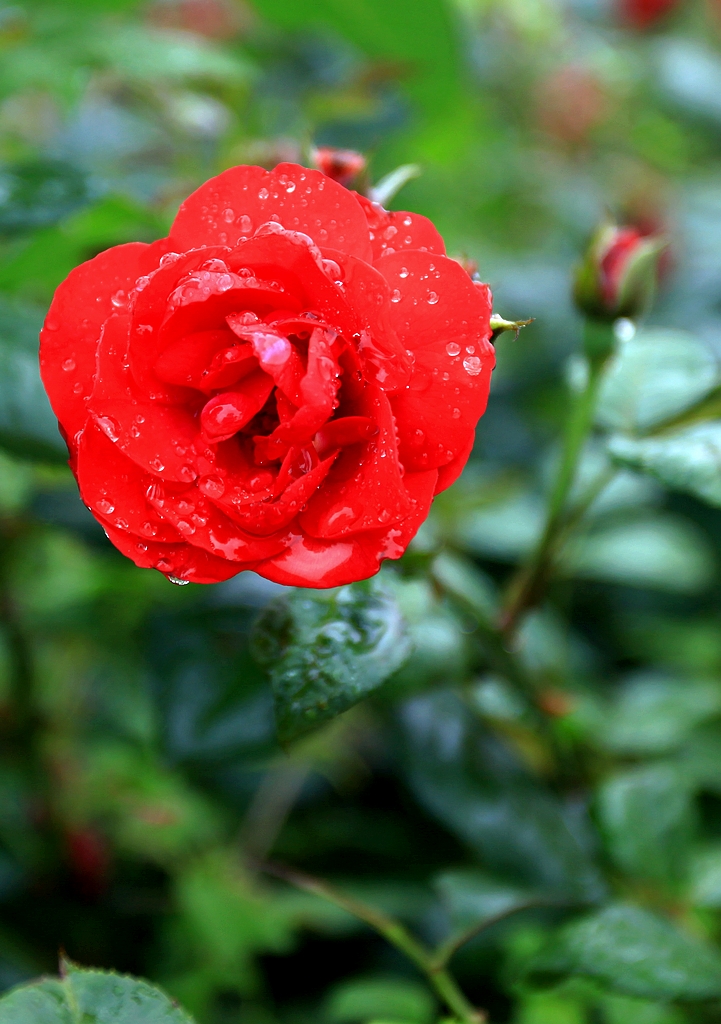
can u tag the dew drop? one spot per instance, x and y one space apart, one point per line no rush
471 350
396 296
119 299
407 221
229 215
290 187
403 272
432 298
263 194
176 579
453 349
142 548
472 365
245 224
157 465
456 414
185 527
68 365
187 474
109 426
149 529
77 388
106 507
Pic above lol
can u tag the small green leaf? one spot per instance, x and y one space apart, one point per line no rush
473 897
705 877
90 997
647 818
652 713
632 951
326 650
28 426
38 193
654 377
661 553
686 460
362 999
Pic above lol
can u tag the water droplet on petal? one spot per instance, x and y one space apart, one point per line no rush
456 414
263 194
157 465
213 486
177 581
403 272
120 299
453 349
396 296
432 298
68 365
245 224
109 426
472 365
187 474
105 507
290 187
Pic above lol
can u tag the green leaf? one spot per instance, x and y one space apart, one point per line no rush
28 426
90 997
473 897
647 818
424 44
654 377
362 999
652 713
632 951
685 460
469 779
38 193
662 553
326 650
705 877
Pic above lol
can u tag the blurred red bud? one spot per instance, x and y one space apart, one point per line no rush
571 102
89 860
643 14
619 273
342 165
215 19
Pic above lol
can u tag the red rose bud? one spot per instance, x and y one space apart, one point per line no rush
342 165
619 273
642 14
281 385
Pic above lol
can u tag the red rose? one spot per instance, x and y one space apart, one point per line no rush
281 385
642 14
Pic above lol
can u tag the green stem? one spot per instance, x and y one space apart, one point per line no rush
392 930
528 585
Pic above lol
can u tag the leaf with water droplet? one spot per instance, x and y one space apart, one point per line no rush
327 650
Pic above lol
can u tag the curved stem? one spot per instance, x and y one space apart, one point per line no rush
396 933
528 585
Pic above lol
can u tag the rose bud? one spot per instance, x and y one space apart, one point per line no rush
282 385
618 276
342 165
643 14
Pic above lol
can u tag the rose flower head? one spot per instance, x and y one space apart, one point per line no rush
282 384
618 275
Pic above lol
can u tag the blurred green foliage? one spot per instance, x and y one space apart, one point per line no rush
556 802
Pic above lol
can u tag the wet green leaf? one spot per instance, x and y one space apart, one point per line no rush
635 952
397 999
326 650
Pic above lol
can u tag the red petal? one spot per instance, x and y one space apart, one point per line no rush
202 525
317 563
344 431
396 230
184 360
159 438
443 318
115 488
227 413
449 473
233 205
81 305
365 491
179 560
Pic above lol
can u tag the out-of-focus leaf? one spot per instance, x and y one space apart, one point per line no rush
655 376
704 881
90 997
397 999
505 530
652 713
423 47
326 650
28 426
632 951
646 816
685 460
38 193
472 782
144 53
473 897
214 702
662 553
